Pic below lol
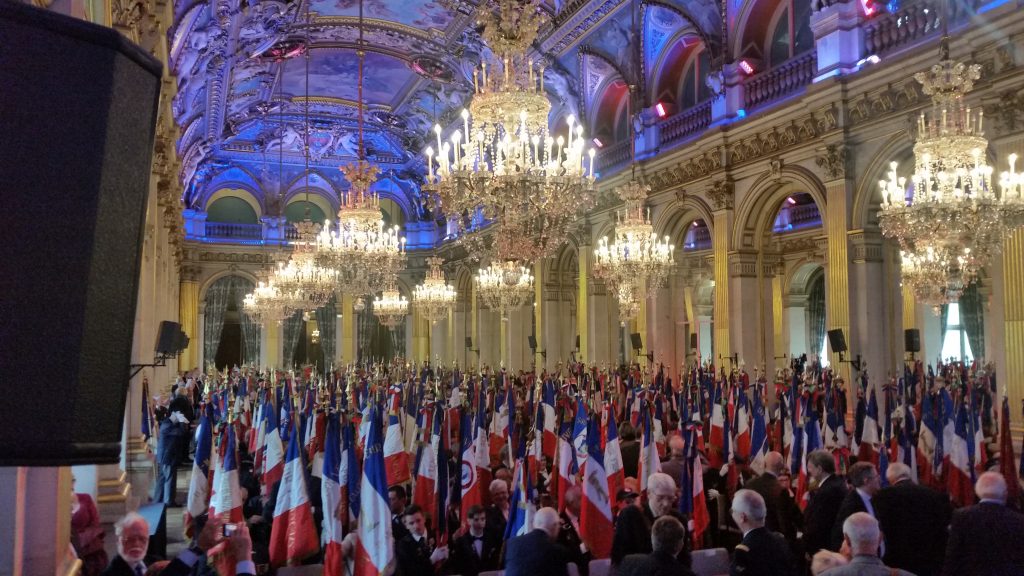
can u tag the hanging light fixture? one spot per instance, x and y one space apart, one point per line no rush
365 255
391 307
952 223
505 286
504 161
637 255
434 297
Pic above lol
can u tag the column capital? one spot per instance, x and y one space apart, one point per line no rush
190 272
722 194
743 265
834 161
867 246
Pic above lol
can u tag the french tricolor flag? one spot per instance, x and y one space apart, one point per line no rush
375 548
483 470
759 434
471 488
499 422
292 534
596 527
226 499
426 464
396 459
331 496
199 484
691 488
649 461
548 405
567 465
273 460
870 437
613 454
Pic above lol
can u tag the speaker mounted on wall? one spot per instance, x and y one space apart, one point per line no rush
912 340
636 341
72 222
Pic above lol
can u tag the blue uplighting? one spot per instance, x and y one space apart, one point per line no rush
741 113
991 6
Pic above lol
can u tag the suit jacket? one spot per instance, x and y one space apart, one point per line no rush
633 534
496 522
630 457
398 529
914 520
852 504
168 448
653 564
570 540
118 567
465 560
784 515
865 566
673 468
820 514
413 558
762 552
985 539
535 554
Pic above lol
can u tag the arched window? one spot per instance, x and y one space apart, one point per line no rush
698 236
296 212
797 212
694 90
231 209
792 15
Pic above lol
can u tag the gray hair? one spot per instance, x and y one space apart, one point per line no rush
668 534
992 486
660 480
823 460
130 519
898 472
862 530
496 483
774 463
546 519
750 503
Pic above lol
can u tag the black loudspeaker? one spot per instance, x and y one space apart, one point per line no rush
637 342
577 341
533 342
469 342
78 117
837 340
912 340
693 341
168 338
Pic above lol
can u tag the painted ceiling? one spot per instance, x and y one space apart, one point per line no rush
254 76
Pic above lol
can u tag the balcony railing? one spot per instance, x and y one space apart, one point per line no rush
613 156
781 80
912 21
230 231
793 218
697 239
291 232
685 123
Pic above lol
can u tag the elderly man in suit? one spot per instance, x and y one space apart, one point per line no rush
668 538
633 524
569 535
824 503
783 515
132 533
866 483
913 520
761 551
538 553
986 538
862 536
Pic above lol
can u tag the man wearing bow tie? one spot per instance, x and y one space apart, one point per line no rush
478 550
415 553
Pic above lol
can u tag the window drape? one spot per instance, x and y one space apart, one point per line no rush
250 328
325 321
293 327
816 314
218 296
972 319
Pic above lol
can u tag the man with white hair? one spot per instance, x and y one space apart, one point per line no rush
913 519
987 538
498 511
862 536
633 525
537 553
761 551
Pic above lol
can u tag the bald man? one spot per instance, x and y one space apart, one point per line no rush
862 536
783 514
986 538
914 520
538 553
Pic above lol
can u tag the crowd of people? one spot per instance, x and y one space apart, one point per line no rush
842 516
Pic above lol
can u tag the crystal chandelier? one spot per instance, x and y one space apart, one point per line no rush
504 161
950 223
267 303
505 286
637 253
365 255
391 307
435 297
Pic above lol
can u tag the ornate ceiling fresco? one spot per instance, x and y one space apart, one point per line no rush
243 76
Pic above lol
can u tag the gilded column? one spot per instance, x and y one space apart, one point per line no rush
538 313
640 324
870 325
833 162
474 331
777 335
582 310
1013 323
188 315
721 194
450 355
745 312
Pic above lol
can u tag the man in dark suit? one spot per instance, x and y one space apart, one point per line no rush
633 524
783 515
913 519
630 450
477 550
668 538
863 539
538 553
569 535
986 538
866 483
820 514
761 551
415 553
397 503
132 532
173 435
673 465
498 511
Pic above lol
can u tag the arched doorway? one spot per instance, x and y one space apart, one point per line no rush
230 336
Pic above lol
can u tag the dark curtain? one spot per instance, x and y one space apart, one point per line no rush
293 327
326 321
816 313
367 327
250 328
972 309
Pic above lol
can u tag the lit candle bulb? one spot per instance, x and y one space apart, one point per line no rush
591 153
430 162
437 130
465 122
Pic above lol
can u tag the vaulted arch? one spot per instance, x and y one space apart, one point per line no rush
760 204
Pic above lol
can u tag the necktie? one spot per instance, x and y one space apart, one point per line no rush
139 570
